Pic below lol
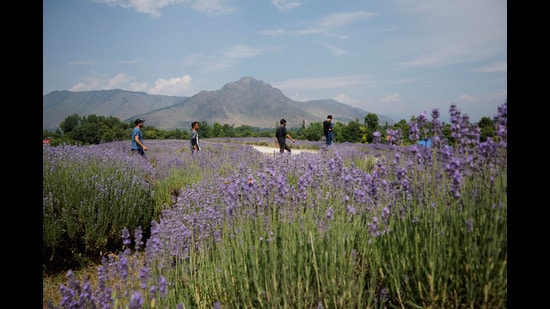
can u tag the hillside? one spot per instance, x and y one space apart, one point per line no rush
245 102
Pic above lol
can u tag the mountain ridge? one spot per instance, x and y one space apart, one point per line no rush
247 101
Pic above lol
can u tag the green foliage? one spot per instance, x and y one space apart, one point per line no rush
91 130
272 262
97 129
403 126
445 253
89 198
447 133
176 134
351 133
487 128
313 132
371 124
167 188
205 130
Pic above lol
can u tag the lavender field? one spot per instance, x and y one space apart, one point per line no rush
380 225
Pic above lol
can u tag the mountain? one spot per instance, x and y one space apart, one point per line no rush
57 105
247 101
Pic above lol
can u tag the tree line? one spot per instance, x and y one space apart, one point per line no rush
93 129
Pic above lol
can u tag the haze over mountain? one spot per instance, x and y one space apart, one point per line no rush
247 101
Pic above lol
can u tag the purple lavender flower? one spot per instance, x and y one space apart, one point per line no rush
138 238
329 213
123 267
385 214
413 131
126 237
163 286
376 137
373 227
136 301
143 277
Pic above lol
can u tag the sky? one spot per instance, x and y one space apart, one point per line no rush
396 58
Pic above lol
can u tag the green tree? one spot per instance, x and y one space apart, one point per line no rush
351 133
371 125
487 128
70 122
227 131
205 131
92 129
447 133
243 131
217 130
86 134
176 134
403 127
313 132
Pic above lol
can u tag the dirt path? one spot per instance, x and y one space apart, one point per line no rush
273 150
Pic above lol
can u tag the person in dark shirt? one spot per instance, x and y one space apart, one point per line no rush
281 134
328 130
194 139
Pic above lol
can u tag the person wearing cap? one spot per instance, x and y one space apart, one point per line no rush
137 138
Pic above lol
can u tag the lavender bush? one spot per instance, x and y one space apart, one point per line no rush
370 226
89 195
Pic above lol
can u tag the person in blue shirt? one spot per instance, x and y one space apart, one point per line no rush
137 138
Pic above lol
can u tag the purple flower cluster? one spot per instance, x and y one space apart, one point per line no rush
283 187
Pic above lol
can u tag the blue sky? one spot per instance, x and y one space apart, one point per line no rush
391 57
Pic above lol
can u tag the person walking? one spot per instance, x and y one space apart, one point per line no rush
281 135
137 138
328 131
194 139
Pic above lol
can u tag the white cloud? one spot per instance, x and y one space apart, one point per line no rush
325 25
131 61
333 21
227 59
394 98
467 98
172 86
285 5
322 82
336 51
153 7
345 99
273 32
494 67
454 32
119 81
242 51
215 7
177 86
97 82
82 62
